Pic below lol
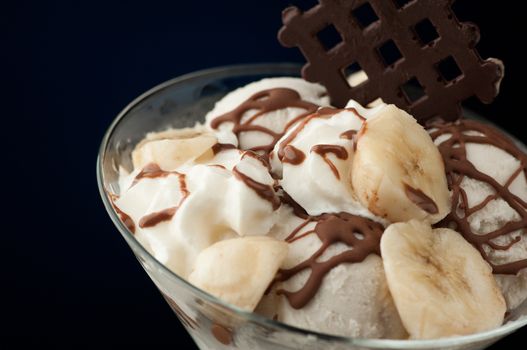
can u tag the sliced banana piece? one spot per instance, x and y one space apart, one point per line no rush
170 149
397 171
239 270
440 283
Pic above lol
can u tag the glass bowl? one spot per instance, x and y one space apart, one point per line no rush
213 324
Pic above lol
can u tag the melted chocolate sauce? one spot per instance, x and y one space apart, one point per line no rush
339 151
264 102
219 147
457 167
217 166
155 218
348 135
125 218
261 159
152 171
420 199
297 208
331 229
323 113
221 333
293 155
262 190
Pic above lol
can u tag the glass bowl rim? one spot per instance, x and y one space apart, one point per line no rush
254 69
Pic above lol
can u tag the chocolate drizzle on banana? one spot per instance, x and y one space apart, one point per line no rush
458 167
264 102
362 235
421 199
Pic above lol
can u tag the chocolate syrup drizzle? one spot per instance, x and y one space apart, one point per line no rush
152 171
293 155
298 210
265 101
125 218
323 113
362 235
262 190
152 219
222 334
420 199
262 159
339 151
349 134
458 167
220 147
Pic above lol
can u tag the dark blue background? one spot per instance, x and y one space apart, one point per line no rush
68 68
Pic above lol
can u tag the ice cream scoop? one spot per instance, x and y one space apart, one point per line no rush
258 114
487 177
333 278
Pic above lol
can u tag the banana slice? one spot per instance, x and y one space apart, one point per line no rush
441 285
170 149
239 270
397 171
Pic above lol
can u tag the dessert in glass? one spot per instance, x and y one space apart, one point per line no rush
332 210
353 305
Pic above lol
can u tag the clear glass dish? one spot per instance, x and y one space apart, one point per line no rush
213 324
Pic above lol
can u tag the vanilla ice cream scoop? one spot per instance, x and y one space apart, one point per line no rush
179 213
487 176
333 279
258 114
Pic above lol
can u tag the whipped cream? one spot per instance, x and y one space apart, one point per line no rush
178 214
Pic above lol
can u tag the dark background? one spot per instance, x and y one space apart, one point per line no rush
68 68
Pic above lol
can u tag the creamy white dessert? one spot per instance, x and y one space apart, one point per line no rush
233 190
322 218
